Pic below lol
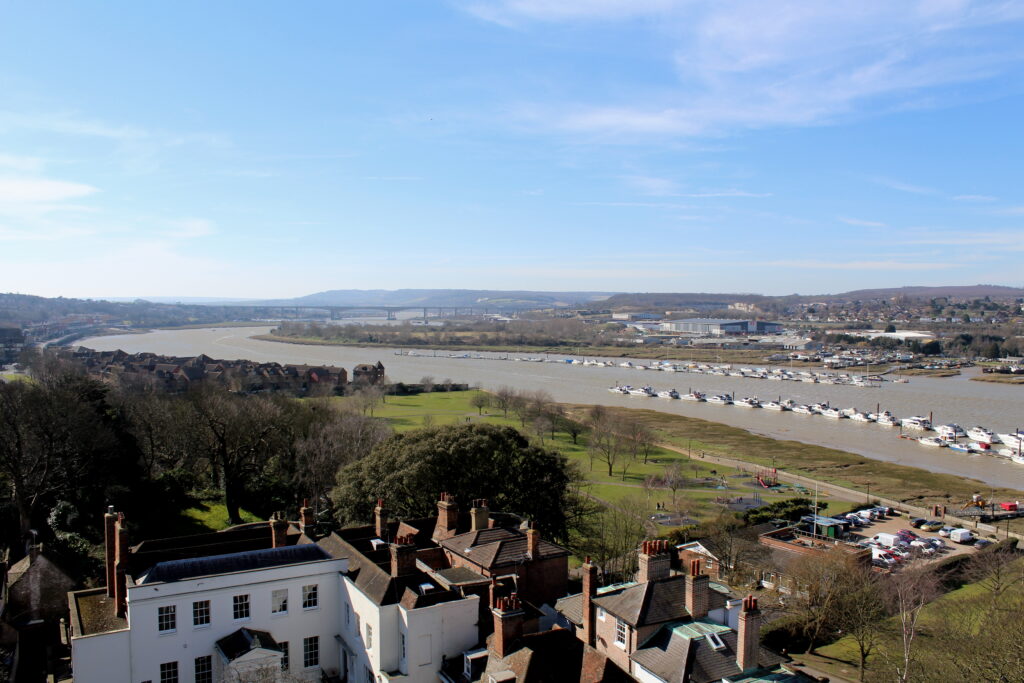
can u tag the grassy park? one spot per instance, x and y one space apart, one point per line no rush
704 482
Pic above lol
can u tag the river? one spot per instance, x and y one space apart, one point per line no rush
999 407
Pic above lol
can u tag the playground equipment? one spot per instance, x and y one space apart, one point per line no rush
767 477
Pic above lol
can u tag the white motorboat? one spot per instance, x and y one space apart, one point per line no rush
932 441
982 435
642 391
803 410
916 422
625 364
693 396
1014 440
819 407
748 402
671 393
887 419
833 413
774 405
950 432
620 389
720 399
858 416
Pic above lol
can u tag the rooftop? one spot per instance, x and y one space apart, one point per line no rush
177 570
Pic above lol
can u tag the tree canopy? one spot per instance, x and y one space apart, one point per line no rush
470 461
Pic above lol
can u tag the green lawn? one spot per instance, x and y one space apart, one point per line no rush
201 518
703 479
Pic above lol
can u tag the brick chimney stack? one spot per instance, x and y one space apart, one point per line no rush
589 591
380 520
403 555
508 624
121 567
306 519
447 518
533 542
110 547
278 532
655 562
479 515
748 635
697 587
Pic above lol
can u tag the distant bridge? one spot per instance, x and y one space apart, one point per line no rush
336 312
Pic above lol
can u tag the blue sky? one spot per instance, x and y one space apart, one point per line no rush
276 149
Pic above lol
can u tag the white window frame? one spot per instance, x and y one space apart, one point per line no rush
169 672
600 613
208 670
369 636
238 602
311 596
621 633
204 608
167 619
275 595
311 652
286 659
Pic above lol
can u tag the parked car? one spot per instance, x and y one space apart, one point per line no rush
867 514
983 543
856 520
907 533
937 543
882 511
946 531
923 547
916 522
931 525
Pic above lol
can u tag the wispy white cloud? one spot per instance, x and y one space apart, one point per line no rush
896 266
744 64
20 190
651 185
643 205
393 177
724 193
901 186
190 228
974 198
1010 239
20 163
861 222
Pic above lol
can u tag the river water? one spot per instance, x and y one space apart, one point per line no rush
999 407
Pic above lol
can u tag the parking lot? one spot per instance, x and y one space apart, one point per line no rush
893 524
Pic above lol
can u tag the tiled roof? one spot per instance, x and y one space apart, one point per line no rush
683 653
571 607
498 547
643 604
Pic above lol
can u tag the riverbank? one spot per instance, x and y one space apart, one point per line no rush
999 379
637 351
911 485
926 372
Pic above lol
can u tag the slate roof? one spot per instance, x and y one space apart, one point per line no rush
643 604
676 656
244 641
177 570
571 607
498 547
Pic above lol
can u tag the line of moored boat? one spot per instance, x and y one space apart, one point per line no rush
981 440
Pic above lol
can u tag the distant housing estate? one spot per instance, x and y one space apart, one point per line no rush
180 374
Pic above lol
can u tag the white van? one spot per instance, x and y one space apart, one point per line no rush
888 540
961 535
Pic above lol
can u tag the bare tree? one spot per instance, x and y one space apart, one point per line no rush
862 613
996 569
820 583
674 479
504 397
606 443
428 383
480 400
909 591
614 535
